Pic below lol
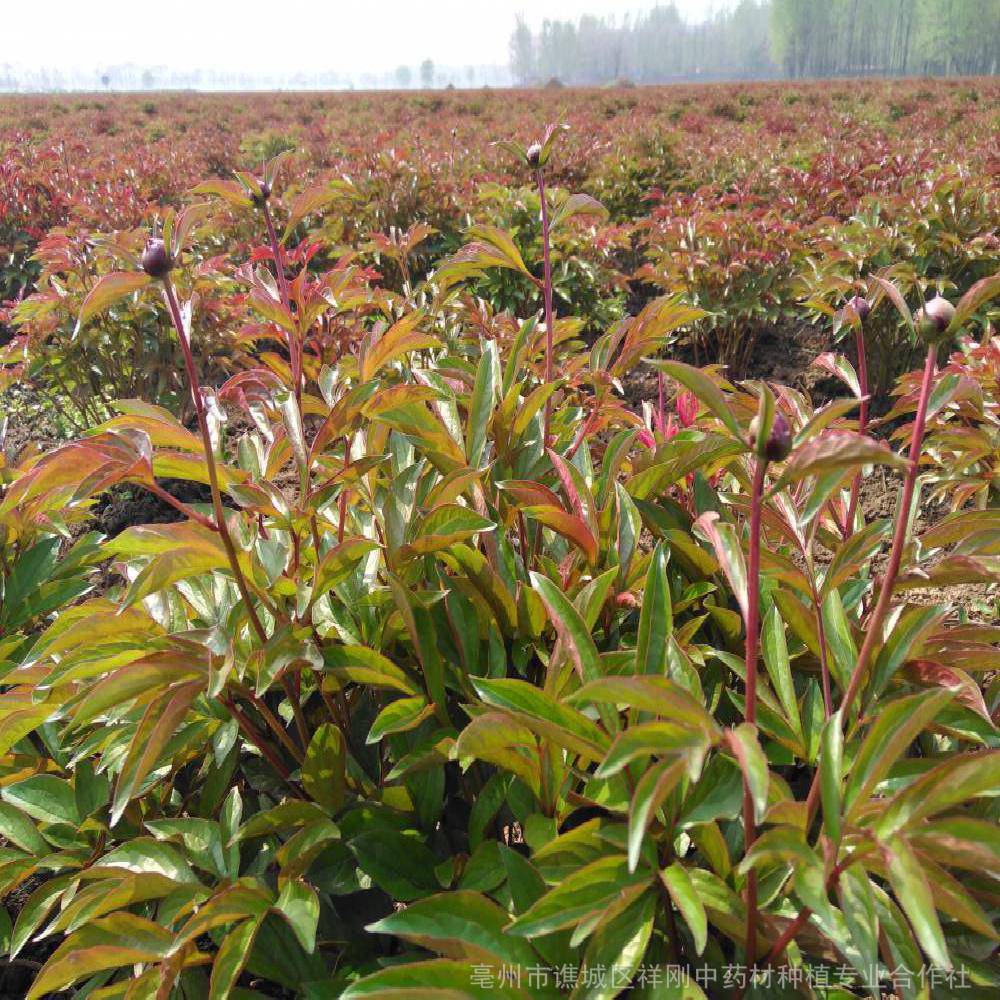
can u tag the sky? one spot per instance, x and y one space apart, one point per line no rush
271 36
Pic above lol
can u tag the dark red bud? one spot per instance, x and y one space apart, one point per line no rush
779 441
156 260
534 155
264 193
861 306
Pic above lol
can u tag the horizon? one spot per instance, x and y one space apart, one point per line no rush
345 48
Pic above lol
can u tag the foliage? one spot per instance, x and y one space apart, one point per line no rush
457 670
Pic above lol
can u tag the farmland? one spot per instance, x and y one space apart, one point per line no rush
451 534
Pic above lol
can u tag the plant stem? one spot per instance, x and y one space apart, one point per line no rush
213 475
750 709
824 665
250 732
873 628
158 491
547 299
294 347
862 425
804 914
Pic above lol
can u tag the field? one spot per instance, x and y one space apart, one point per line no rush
523 543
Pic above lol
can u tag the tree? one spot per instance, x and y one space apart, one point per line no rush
522 52
427 74
403 76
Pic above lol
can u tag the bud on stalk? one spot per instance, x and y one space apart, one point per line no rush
934 318
779 441
156 260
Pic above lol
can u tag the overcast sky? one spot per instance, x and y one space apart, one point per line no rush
350 36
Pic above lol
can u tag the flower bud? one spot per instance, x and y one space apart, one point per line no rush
534 155
861 306
779 441
156 260
263 195
934 318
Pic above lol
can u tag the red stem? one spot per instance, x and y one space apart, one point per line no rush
852 505
804 914
250 732
750 710
873 629
157 490
547 298
294 347
213 475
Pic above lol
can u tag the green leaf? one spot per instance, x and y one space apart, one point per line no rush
20 831
743 742
441 978
908 629
338 564
107 290
722 537
902 948
401 865
483 400
574 205
650 793
895 727
705 389
231 958
717 795
395 343
490 247
686 899
779 669
122 939
541 713
446 525
399 716
649 739
836 451
911 889
831 766
656 618
857 903
366 666
499 739
44 797
664 698
160 722
570 627
618 944
978 295
583 892
299 905
460 925
962 777
324 769
525 884
35 908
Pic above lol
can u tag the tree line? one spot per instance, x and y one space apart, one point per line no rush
765 38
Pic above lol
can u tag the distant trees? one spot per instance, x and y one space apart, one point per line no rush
427 74
522 52
845 37
762 38
403 77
